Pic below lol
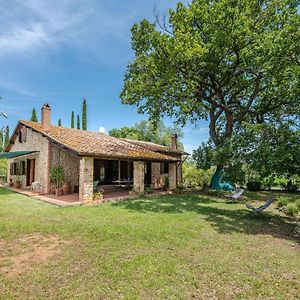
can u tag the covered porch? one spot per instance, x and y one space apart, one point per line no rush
118 178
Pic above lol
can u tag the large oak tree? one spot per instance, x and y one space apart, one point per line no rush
224 61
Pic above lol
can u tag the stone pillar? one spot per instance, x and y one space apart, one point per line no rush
179 173
47 187
86 177
139 177
172 175
155 172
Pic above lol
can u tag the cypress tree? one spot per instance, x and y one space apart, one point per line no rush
59 122
72 120
78 122
6 139
1 140
84 115
34 116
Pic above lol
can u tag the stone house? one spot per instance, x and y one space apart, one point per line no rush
86 157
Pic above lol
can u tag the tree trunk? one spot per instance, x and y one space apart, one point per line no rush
216 178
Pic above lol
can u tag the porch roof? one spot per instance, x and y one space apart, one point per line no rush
87 143
15 154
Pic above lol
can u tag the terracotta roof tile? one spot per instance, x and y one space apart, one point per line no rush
97 144
156 147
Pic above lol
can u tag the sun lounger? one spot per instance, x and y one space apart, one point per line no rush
261 208
237 194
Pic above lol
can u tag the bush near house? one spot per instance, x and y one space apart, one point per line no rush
290 206
3 170
194 177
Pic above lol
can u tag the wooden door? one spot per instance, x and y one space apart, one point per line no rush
30 176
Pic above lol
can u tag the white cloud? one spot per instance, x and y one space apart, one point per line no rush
20 39
88 26
84 26
102 129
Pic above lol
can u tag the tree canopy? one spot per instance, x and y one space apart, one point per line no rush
258 150
229 62
147 131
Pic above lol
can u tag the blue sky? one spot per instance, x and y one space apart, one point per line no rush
61 51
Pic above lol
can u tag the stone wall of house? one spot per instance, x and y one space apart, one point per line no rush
34 142
86 175
21 178
158 179
139 176
179 173
70 164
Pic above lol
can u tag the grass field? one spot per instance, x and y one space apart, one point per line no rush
174 247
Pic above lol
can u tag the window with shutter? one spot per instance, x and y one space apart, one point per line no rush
22 167
13 169
164 168
23 135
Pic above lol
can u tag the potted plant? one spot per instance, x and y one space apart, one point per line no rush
166 184
66 187
10 182
18 182
98 195
148 190
57 177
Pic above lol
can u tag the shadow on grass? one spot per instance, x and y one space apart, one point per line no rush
222 217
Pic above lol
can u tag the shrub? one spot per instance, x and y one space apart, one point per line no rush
282 202
166 183
268 182
148 189
195 178
281 182
297 202
292 185
254 185
292 209
179 188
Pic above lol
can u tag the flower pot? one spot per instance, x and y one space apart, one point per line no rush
59 192
66 188
18 184
53 190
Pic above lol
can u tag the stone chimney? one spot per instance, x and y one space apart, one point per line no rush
174 141
46 116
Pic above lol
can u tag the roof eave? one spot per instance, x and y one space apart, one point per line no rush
120 157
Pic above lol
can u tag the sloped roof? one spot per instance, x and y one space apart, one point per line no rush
156 147
96 144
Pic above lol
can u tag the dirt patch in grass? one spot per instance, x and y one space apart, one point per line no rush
21 256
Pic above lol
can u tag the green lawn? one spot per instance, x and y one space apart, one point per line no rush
174 247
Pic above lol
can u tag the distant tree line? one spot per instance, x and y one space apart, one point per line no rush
146 131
